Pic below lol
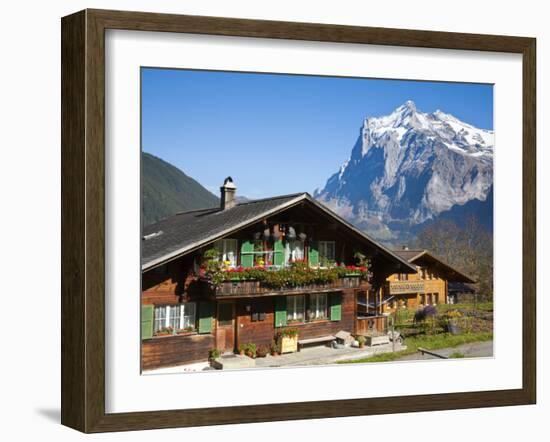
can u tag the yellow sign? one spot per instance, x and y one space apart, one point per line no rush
398 287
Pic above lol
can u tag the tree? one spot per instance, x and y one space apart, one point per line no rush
469 248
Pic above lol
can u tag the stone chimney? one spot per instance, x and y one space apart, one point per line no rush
227 194
405 247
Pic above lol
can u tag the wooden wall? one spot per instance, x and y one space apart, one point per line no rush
435 285
263 332
175 350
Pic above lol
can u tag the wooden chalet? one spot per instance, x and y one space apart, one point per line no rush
186 312
429 285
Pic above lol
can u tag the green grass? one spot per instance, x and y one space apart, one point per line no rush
480 307
429 342
456 355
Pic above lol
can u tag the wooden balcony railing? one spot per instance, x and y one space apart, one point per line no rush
253 288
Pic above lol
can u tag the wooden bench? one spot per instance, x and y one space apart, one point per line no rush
322 339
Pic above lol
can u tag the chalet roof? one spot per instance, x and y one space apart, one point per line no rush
187 231
453 274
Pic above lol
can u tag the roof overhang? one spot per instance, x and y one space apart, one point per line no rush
454 274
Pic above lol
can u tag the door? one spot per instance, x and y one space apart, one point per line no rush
225 334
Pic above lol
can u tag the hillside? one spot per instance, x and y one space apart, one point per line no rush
166 190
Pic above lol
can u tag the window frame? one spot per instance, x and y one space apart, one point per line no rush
322 249
167 317
222 247
294 308
317 297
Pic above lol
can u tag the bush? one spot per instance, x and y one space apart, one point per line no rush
215 353
250 350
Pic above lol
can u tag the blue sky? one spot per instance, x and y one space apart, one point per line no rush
277 134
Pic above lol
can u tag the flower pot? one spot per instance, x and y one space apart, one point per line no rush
241 352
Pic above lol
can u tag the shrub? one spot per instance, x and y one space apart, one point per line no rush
250 350
361 339
215 353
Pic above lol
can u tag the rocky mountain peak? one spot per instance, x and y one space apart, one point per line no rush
409 167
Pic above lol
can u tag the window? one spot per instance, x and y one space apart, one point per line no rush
423 273
160 318
294 251
295 308
178 317
430 299
402 276
422 299
436 298
327 252
318 306
227 249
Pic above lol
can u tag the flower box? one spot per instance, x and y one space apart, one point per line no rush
288 344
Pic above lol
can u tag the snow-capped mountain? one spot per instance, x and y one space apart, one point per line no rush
410 167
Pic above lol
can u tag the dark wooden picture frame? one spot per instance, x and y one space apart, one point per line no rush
83 220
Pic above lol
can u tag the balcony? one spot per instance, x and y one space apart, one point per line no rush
251 288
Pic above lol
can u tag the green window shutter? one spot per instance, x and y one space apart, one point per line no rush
247 256
147 321
313 254
280 311
335 306
205 316
279 255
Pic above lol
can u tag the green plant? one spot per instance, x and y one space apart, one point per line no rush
165 331
361 259
250 350
361 340
297 274
288 333
214 353
274 347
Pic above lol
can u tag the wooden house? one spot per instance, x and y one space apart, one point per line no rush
429 285
274 262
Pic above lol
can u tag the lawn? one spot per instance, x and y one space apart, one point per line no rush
429 342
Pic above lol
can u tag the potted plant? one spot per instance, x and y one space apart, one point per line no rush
274 348
215 353
262 351
165 331
361 341
251 350
185 330
242 349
